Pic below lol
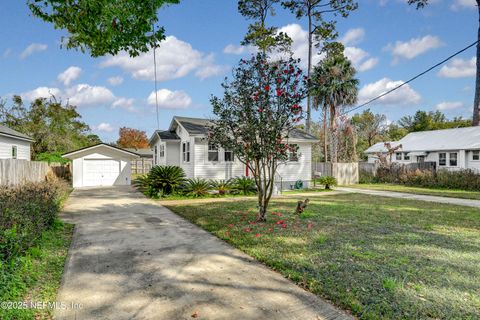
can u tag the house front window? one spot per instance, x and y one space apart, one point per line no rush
212 152
293 155
442 159
406 156
186 151
229 156
156 155
398 156
14 152
162 151
476 155
453 159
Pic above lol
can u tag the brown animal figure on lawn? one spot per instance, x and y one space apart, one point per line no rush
301 205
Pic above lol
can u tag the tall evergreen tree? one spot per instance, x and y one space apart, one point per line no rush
321 17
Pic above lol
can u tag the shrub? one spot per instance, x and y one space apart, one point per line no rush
197 187
26 211
327 181
244 185
161 180
221 186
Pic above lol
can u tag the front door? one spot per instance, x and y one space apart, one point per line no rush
421 159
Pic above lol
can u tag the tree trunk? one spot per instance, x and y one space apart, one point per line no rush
476 103
309 105
325 137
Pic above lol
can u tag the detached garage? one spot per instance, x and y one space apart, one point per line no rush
101 165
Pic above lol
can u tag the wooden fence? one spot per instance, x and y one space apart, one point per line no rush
345 173
142 165
16 172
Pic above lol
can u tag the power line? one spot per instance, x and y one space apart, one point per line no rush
155 67
412 79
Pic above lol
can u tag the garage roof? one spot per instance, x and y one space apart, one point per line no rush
116 149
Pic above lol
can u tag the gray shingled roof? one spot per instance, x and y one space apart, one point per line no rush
144 153
436 140
168 135
11 132
194 125
199 126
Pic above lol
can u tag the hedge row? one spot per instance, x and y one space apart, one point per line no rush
26 211
442 179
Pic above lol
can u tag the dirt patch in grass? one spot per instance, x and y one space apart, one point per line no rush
377 257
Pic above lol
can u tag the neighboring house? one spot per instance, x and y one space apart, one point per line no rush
14 144
185 145
457 148
143 164
101 165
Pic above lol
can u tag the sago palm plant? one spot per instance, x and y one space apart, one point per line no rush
197 187
222 186
166 179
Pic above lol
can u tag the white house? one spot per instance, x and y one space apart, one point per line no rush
452 149
14 144
185 145
101 165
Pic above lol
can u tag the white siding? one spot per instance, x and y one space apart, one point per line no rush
470 163
188 167
218 170
298 170
101 153
6 144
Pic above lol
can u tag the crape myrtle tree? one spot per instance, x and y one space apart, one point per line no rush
259 109
476 102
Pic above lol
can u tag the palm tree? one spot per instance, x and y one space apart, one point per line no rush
333 86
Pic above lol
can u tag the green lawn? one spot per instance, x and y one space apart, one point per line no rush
37 275
416 190
380 258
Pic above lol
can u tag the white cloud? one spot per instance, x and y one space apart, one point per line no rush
442 106
32 48
210 69
233 49
360 58
368 64
353 36
403 96
115 81
460 4
42 92
170 99
87 95
299 47
175 59
459 68
70 74
414 47
125 103
103 127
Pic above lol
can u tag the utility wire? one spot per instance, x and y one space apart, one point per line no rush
412 79
155 67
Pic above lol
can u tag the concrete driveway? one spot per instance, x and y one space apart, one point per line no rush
134 259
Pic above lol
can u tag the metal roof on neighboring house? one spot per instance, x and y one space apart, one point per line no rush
436 140
10 132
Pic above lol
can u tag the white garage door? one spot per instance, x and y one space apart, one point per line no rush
100 172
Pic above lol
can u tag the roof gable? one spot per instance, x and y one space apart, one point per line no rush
72 154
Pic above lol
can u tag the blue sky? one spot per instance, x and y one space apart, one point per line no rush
388 41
